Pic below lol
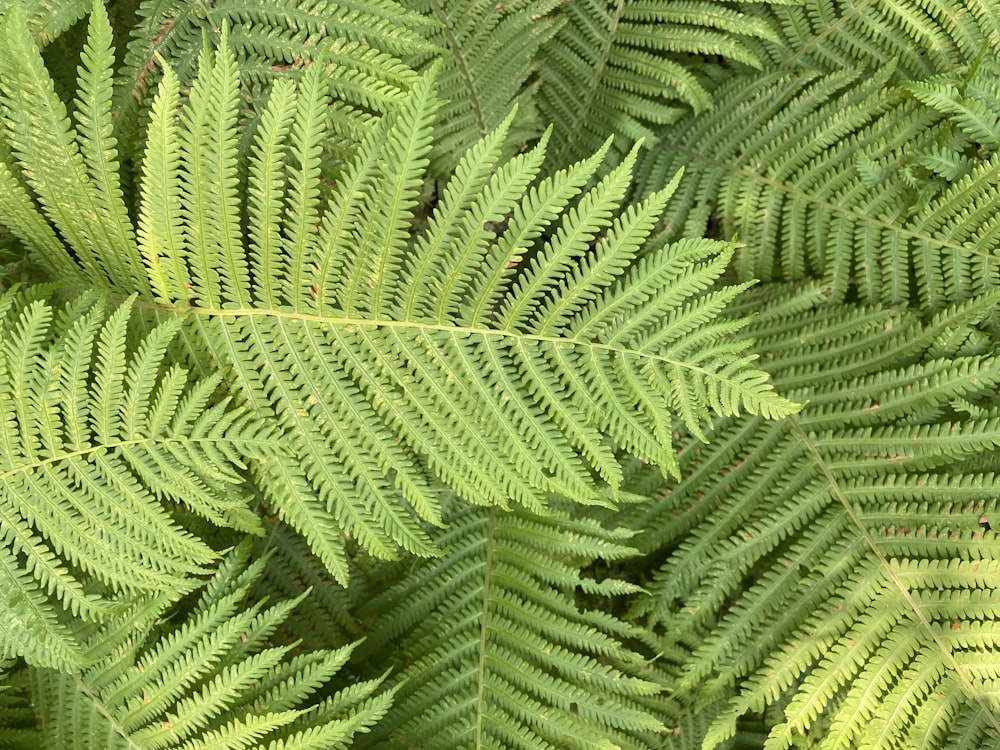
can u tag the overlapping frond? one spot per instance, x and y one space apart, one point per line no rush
328 614
361 47
844 560
498 652
72 171
920 37
209 680
623 68
843 177
97 436
490 53
398 349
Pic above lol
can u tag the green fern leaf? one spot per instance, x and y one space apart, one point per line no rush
209 681
492 54
371 358
17 720
838 559
619 67
397 351
815 173
95 438
159 235
72 172
360 47
48 20
498 652
97 143
210 215
919 38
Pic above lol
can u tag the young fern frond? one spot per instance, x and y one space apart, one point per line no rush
210 680
843 560
97 436
498 653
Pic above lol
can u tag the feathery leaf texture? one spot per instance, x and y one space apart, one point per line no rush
346 306
843 177
498 652
395 362
620 67
844 559
396 354
97 437
361 47
920 37
210 680
492 55
48 19
73 171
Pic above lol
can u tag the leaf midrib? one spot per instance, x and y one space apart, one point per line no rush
348 322
104 447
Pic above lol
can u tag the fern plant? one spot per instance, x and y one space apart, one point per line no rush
380 353
858 581
372 283
97 441
550 671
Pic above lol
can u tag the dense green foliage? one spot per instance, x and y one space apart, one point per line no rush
453 374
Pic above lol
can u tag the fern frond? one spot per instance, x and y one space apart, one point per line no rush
819 175
97 143
210 213
396 350
623 68
327 615
498 652
96 437
22 219
48 20
971 99
160 236
920 38
208 681
17 719
842 560
374 343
